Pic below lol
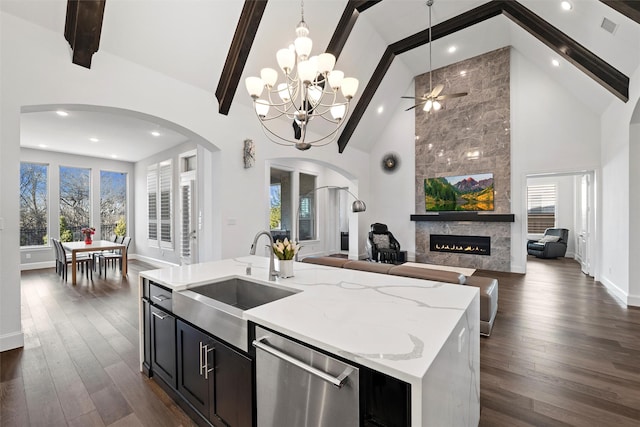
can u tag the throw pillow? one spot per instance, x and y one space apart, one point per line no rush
546 239
381 241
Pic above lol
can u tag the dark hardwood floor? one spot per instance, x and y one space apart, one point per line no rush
563 352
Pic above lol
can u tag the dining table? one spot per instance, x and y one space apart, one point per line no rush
94 246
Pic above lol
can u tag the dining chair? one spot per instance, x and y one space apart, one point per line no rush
111 257
83 261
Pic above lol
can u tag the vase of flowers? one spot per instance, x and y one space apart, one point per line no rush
285 251
88 232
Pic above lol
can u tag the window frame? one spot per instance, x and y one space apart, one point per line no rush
89 199
544 198
48 205
126 198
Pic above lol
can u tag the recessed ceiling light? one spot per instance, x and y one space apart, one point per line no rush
94 139
42 145
566 5
452 49
155 133
380 109
62 113
555 63
463 73
114 156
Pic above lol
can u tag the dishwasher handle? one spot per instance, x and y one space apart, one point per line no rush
336 381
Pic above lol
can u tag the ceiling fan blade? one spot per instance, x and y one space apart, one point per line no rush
417 105
452 95
436 91
411 97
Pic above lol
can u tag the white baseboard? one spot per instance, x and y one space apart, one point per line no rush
11 341
615 290
153 261
518 268
633 300
37 265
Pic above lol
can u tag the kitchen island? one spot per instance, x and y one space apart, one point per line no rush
423 333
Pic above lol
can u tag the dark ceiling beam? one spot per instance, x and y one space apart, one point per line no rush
603 73
346 24
586 61
82 29
443 29
629 8
243 37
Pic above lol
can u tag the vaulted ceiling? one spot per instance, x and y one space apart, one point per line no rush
190 40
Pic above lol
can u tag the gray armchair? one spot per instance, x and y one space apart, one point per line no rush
552 245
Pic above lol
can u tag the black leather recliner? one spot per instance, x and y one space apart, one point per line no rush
550 249
381 245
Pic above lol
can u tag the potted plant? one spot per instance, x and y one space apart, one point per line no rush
88 232
285 251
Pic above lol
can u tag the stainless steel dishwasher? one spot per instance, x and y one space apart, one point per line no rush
300 387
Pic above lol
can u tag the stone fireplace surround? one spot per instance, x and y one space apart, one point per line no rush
470 135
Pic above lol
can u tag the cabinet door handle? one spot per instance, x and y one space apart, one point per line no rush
160 316
160 298
207 350
204 360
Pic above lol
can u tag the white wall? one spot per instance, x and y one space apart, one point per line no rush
44 256
551 132
393 198
565 207
47 76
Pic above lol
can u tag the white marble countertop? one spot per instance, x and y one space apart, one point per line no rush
392 324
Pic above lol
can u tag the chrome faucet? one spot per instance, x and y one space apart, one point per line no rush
272 271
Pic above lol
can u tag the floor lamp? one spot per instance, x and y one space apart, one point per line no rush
357 206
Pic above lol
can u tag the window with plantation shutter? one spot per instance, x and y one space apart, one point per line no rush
152 204
166 211
541 208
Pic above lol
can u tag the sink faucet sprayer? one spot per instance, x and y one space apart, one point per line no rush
272 271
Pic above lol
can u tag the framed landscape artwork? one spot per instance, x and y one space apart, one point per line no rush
459 193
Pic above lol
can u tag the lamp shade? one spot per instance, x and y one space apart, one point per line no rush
358 206
335 79
337 111
286 60
306 71
436 106
283 92
269 76
326 62
427 105
255 86
262 107
303 47
349 87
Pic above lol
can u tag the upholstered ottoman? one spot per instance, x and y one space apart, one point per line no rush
488 301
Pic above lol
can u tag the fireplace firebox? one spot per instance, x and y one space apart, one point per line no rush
474 245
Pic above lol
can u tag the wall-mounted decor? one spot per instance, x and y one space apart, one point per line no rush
249 153
390 162
459 193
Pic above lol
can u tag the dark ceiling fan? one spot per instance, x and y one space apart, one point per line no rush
431 100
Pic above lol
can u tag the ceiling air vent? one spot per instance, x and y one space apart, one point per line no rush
609 26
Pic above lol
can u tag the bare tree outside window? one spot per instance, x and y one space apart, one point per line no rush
34 207
113 204
75 202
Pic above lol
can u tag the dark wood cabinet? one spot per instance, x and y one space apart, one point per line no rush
163 345
233 385
214 378
195 356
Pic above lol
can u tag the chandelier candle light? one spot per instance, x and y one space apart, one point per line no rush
310 89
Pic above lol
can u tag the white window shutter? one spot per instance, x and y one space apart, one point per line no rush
152 204
166 205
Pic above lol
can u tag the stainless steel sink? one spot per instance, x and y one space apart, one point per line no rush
217 307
